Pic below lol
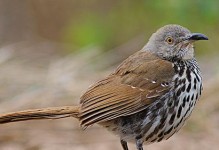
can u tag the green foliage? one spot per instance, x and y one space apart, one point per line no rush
113 24
88 30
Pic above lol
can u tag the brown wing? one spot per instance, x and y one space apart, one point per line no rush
138 81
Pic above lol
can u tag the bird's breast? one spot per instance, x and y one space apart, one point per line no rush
187 87
166 115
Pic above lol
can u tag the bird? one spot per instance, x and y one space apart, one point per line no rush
148 97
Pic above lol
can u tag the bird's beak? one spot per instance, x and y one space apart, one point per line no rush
197 36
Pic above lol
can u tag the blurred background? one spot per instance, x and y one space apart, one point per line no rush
52 50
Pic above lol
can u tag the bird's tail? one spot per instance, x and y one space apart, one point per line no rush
44 113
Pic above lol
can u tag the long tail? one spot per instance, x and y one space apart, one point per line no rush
44 113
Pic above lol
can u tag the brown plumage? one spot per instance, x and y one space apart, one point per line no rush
126 91
146 99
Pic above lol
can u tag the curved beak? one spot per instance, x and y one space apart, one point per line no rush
197 36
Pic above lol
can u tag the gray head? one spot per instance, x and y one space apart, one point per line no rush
173 41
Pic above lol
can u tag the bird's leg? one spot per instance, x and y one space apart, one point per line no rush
139 144
124 145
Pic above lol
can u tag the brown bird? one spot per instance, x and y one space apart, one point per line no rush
146 99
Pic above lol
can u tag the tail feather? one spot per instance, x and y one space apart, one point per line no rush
44 113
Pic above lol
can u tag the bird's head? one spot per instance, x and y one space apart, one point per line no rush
173 41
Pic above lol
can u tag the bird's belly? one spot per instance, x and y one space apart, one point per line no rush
124 127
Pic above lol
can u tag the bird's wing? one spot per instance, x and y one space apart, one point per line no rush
138 81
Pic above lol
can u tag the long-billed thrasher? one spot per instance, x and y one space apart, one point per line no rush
146 99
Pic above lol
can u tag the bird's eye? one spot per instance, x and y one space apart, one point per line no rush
169 40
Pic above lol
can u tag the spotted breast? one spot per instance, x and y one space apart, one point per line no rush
165 116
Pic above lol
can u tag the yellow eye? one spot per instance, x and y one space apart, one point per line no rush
169 40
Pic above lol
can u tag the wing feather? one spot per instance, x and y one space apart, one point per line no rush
130 89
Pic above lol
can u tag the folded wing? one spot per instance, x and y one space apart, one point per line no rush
138 81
